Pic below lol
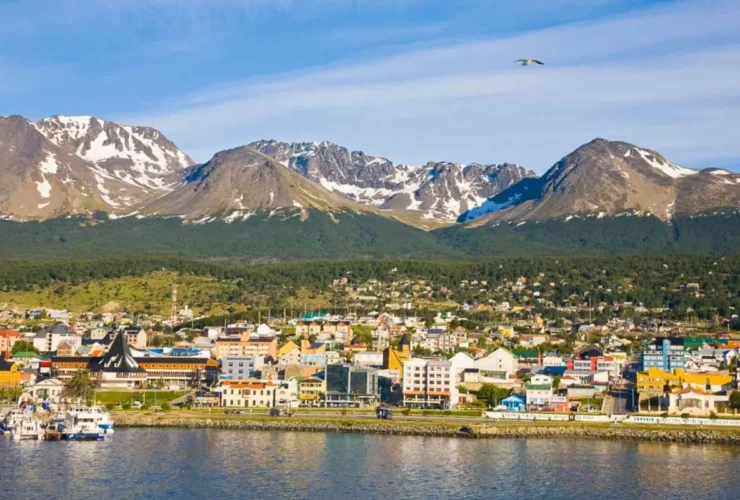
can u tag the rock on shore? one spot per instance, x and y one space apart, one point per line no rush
431 429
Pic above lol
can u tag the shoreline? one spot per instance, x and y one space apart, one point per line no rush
431 428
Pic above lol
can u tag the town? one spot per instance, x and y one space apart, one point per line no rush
574 361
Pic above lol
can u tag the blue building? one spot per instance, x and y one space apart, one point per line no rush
515 403
665 354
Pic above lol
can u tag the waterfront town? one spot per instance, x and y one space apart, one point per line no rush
366 358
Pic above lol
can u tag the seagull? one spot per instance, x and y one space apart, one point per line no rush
529 62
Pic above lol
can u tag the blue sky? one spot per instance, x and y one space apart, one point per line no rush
412 80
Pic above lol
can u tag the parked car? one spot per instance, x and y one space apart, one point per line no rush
280 412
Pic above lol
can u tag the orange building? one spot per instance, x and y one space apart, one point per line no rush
10 376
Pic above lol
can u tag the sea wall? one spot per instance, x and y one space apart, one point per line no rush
432 429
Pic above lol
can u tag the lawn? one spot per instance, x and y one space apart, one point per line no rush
119 397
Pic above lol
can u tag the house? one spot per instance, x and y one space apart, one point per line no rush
286 393
655 381
10 375
47 339
539 395
514 402
248 394
135 336
289 354
49 389
311 391
694 401
500 364
8 338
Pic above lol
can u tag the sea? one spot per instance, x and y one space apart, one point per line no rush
219 464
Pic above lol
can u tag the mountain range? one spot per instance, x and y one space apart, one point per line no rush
75 166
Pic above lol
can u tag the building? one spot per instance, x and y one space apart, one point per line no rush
135 336
350 385
8 338
49 389
393 359
311 391
539 395
289 354
246 346
248 394
119 367
665 354
514 402
656 382
501 364
695 401
47 339
10 375
237 368
286 393
427 383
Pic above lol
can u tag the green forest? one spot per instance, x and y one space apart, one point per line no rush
353 236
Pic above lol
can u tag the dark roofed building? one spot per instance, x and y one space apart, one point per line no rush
118 368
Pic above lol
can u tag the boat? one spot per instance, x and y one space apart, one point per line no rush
82 424
98 413
12 419
27 429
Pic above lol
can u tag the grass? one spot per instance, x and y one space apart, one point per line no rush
150 293
118 397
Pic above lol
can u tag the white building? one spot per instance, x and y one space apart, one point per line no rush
427 383
458 364
248 395
539 395
49 389
500 360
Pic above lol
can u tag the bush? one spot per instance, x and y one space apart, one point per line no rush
664 414
426 413
712 415
344 411
684 415
406 412
126 405
447 413
166 407
185 407
145 406
110 406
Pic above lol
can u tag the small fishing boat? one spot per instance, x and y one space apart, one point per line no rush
98 413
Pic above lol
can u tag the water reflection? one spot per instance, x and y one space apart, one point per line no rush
238 464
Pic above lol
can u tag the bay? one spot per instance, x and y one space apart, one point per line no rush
180 463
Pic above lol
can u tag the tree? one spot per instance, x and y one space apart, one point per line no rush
735 400
24 346
492 394
80 386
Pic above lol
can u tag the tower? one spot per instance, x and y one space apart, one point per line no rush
173 313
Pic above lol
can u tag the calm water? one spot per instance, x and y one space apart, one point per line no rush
240 464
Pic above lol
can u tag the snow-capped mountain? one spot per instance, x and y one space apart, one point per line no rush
609 178
437 190
130 164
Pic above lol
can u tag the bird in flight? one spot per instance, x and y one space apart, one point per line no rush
529 62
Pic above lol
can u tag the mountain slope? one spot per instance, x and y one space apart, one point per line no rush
39 179
141 158
438 190
604 178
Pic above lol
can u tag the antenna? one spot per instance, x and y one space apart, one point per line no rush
174 304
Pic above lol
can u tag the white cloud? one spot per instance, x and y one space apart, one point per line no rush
665 78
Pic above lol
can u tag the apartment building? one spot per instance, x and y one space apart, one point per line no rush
427 383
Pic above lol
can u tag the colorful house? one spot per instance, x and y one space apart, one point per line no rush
515 403
10 376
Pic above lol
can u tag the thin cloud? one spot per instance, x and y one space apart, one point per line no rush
618 77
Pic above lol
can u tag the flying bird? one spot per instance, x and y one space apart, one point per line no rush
529 62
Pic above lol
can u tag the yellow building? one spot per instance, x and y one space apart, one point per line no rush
393 359
10 376
655 380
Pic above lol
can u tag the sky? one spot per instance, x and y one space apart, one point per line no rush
410 80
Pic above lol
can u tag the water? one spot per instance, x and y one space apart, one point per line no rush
142 463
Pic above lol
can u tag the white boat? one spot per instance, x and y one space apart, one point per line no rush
13 419
27 428
98 413
82 424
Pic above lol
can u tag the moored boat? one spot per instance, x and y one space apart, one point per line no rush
27 429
